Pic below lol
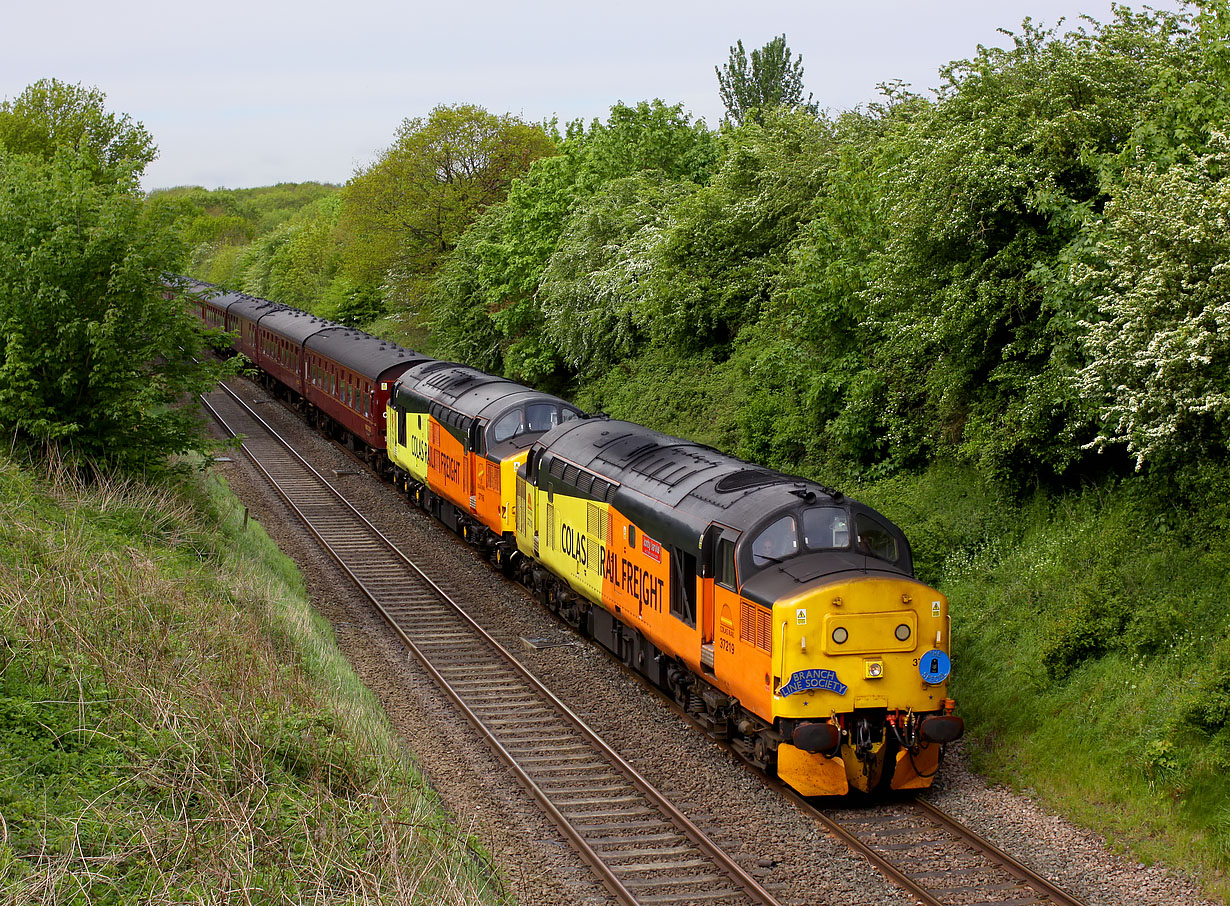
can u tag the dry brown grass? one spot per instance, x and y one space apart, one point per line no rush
185 731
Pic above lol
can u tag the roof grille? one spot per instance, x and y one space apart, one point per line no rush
744 479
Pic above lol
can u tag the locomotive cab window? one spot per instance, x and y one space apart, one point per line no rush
874 538
541 416
776 542
826 528
507 426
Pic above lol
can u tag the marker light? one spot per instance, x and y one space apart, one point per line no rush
902 632
840 635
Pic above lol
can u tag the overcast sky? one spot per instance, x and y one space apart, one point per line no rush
253 93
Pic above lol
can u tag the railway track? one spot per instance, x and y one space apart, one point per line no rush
641 847
919 847
938 860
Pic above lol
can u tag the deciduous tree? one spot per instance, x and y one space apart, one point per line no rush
402 215
93 355
1159 349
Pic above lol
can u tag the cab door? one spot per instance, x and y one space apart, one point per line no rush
477 450
720 597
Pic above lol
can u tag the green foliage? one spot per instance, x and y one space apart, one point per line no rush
403 215
52 117
1159 344
295 262
989 189
1085 624
772 80
717 259
593 288
220 227
92 354
485 305
652 135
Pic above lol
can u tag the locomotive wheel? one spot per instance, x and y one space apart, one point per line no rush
765 754
504 559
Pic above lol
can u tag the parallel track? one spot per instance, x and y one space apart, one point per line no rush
643 849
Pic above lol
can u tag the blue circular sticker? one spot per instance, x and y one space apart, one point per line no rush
934 667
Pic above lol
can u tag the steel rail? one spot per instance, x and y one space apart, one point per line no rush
979 844
721 860
1017 869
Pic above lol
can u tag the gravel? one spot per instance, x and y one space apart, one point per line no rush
1072 857
775 842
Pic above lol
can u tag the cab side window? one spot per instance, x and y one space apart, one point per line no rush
507 426
777 542
725 576
875 539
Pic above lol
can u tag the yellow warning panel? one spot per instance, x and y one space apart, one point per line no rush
810 773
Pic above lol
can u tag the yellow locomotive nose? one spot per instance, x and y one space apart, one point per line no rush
868 658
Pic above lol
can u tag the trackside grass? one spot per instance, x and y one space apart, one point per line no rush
1091 636
177 725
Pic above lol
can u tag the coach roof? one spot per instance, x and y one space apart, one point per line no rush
361 352
294 325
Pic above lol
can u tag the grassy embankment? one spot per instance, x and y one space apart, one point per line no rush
177 724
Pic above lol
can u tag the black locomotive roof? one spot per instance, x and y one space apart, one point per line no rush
675 489
690 477
361 352
294 325
467 390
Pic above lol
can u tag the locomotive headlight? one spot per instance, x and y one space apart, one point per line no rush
840 635
902 633
873 669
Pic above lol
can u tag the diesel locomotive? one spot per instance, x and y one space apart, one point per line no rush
779 613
